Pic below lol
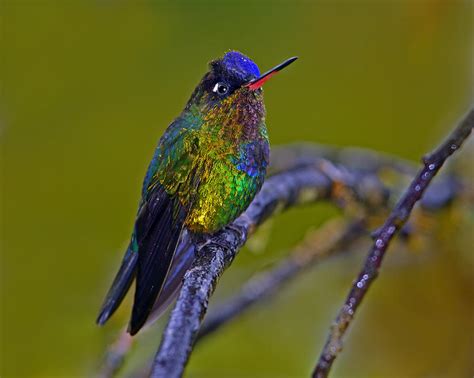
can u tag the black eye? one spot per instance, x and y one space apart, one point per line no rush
221 88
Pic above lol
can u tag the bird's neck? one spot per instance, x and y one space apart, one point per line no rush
238 119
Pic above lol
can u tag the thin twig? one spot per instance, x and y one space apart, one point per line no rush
115 355
353 158
399 216
334 237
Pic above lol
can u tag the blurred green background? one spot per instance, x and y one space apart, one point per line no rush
87 88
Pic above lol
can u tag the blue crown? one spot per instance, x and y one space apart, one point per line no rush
240 65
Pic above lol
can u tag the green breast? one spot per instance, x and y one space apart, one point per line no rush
224 192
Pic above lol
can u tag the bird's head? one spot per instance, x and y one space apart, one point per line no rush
233 82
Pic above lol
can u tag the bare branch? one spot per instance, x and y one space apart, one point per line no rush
399 216
334 237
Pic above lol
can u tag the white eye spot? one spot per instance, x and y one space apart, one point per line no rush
220 88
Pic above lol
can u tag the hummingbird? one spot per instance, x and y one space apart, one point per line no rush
207 168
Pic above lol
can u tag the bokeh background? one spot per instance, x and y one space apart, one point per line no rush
87 88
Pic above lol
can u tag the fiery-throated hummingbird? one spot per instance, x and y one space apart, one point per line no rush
208 166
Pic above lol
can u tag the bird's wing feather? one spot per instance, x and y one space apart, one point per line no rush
159 222
161 217
158 228
182 260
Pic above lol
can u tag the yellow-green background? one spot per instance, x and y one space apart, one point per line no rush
87 87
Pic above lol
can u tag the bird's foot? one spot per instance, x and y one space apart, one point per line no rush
239 230
222 238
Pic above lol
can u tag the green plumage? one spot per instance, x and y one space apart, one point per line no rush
208 166
202 159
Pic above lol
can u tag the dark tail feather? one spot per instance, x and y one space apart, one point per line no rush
120 286
182 260
155 252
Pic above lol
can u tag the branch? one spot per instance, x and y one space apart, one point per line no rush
352 158
334 237
399 216
217 252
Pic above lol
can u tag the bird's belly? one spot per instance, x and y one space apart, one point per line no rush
224 192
